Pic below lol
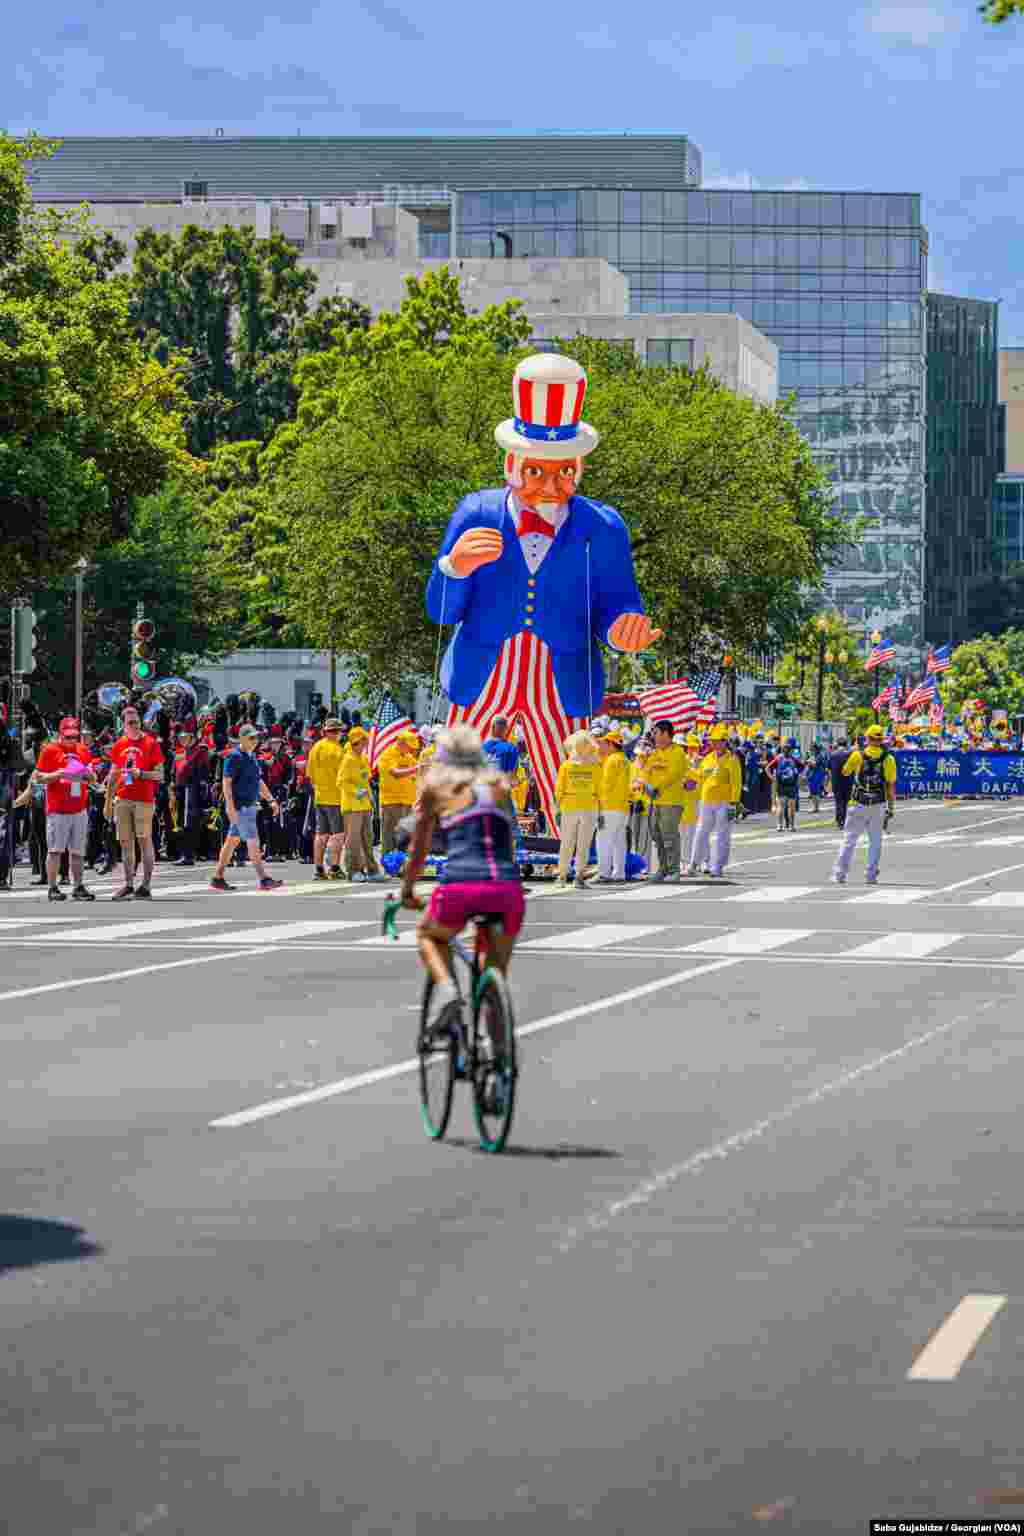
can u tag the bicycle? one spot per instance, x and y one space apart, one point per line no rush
484 1055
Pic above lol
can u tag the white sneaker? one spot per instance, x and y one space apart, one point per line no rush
359 878
838 879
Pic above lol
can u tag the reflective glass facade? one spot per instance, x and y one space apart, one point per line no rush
836 280
1008 518
965 452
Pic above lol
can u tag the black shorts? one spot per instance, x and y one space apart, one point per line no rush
328 820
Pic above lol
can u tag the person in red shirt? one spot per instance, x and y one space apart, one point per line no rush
137 760
191 775
65 767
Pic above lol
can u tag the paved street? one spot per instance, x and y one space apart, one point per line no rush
768 1141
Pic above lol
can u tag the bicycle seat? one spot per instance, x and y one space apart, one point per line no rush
488 919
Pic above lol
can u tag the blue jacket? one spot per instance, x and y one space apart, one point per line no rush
490 606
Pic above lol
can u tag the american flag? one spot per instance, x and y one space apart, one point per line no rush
682 703
939 659
926 692
936 713
887 694
388 725
884 651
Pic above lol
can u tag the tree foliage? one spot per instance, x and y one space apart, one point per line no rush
240 309
729 516
997 11
88 422
988 668
845 684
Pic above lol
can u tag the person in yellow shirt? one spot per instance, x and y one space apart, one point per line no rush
356 807
397 769
872 803
613 810
640 821
666 776
721 784
521 786
688 814
322 768
576 794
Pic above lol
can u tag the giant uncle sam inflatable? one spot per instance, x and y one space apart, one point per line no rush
536 576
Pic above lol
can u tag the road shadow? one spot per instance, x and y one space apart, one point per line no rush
560 1152
26 1241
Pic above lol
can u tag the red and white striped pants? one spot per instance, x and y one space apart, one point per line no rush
522 687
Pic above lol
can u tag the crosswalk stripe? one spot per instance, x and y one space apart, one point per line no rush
114 931
774 893
889 896
407 938
1000 899
280 933
902 946
598 936
646 892
956 1339
747 941
21 922
999 842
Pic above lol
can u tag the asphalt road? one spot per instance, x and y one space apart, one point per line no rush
765 1163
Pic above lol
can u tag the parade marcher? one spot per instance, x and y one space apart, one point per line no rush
278 774
640 801
840 783
244 788
816 775
137 760
577 794
786 771
536 578
666 777
191 768
690 808
397 769
872 775
720 784
65 767
614 810
322 768
356 808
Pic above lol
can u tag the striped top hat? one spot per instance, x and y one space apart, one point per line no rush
547 397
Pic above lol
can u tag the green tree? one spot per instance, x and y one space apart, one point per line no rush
240 309
87 421
845 684
989 669
729 516
997 11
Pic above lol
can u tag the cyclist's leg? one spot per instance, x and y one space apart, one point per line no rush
432 941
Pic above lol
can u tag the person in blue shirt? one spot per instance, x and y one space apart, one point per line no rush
504 754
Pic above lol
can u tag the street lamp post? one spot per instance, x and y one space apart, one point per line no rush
81 569
822 626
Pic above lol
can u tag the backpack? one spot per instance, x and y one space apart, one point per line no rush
869 783
787 774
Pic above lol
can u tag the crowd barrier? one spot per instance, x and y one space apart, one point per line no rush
989 775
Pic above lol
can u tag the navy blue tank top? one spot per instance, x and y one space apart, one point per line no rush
481 842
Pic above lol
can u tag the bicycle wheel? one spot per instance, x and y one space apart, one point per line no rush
494 1065
437 1072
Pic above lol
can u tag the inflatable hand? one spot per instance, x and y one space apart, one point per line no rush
631 632
476 547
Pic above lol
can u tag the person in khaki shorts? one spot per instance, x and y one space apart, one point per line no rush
322 768
138 767
357 807
397 769
667 776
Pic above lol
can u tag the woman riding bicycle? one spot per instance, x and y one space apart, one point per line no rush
462 792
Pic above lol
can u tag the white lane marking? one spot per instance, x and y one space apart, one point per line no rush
956 1339
1000 899
888 896
406 939
999 842
990 874
107 933
934 839
597 936
719 1150
138 970
648 892
21 922
747 941
902 946
280 933
775 893
403 1068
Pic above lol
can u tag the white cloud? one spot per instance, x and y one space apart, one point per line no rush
730 50
920 25
599 40
718 179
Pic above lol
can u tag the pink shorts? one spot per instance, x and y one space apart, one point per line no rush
453 905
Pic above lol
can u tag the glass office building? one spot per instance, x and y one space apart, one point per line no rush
836 280
964 454
1008 522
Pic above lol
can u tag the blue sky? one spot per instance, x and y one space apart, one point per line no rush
895 97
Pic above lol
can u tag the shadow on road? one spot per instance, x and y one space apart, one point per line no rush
28 1240
554 1154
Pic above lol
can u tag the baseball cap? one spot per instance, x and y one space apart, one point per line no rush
248 730
356 734
875 732
69 725
332 724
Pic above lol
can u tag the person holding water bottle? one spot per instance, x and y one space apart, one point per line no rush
138 767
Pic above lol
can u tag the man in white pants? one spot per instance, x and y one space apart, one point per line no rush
721 784
614 814
872 802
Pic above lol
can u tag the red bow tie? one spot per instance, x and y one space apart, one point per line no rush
532 522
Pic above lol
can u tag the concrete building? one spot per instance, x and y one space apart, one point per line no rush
288 679
1011 397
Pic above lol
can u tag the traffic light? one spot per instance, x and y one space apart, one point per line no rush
24 639
143 652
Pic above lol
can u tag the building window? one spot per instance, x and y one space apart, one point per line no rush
674 353
196 189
